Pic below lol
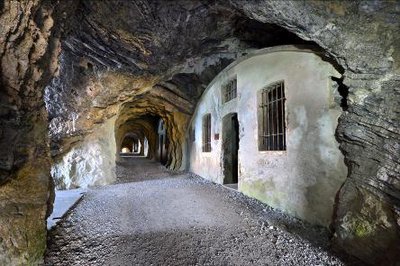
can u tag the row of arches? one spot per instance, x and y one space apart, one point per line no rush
144 137
25 158
132 145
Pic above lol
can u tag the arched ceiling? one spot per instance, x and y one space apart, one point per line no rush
113 52
155 36
145 57
156 57
142 126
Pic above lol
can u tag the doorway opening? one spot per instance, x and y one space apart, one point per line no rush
230 148
162 142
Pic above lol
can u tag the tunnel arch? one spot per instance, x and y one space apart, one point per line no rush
143 130
360 130
132 143
142 115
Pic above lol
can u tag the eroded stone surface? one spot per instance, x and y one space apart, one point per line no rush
91 163
29 47
121 68
153 42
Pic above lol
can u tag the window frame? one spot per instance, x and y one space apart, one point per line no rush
192 134
206 133
272 125
226 90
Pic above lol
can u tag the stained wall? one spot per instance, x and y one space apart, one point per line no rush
304 179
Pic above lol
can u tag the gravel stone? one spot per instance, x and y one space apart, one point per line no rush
152 216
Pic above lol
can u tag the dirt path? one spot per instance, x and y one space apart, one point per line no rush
150 217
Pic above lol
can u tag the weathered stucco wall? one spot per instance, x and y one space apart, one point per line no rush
304 179
90 163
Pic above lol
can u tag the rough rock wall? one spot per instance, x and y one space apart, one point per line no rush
364 37
83 96
29 47
157 39
142 115
141 127
83 103
90 163
368 209
162 38
115 56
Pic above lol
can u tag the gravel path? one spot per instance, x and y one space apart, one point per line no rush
154 217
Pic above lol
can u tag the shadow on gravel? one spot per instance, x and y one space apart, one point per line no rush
178 219
197 246
137 169
274 219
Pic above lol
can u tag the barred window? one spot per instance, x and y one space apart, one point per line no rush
271 118
229 90
207 133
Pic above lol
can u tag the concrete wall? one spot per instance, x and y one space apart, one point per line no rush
304 179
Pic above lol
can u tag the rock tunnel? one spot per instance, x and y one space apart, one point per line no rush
80 80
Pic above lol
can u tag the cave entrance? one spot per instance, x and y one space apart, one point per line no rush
230 148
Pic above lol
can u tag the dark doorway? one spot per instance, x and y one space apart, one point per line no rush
230 147
162 142
161 146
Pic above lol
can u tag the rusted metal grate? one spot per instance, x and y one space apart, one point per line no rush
207 133
229 90
273 132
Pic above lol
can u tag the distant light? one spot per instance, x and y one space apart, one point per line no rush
125 150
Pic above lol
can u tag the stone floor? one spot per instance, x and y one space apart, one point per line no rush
152 216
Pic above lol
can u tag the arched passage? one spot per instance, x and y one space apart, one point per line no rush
161 123
129 144
133 143
79 99
145 136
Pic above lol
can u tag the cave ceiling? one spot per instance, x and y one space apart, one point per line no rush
156 36
126 64
137 57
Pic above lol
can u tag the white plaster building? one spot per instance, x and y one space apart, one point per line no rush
284 152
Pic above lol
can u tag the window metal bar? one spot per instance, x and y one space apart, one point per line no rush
278 122
261 130
277 143
273 131
278 117
266 124
283 116
206 147
209 133
271 113
230 90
